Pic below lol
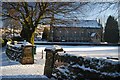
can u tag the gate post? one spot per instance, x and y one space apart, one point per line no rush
50 59
27 55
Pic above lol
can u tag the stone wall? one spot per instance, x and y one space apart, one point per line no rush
73 67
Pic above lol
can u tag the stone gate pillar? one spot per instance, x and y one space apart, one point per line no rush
50 59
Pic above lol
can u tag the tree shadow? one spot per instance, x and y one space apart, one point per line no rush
24 77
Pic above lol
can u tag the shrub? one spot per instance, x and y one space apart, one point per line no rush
17 38
2 42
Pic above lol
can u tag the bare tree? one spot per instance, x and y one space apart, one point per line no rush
11 25
29 14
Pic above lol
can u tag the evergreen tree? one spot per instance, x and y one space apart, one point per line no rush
45 35
111 34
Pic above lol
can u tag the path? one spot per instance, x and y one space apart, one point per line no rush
13 68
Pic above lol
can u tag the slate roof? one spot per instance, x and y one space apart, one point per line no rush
82 23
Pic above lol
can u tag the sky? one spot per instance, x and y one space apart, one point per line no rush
0 22
0 16
102 11
96 11
60 0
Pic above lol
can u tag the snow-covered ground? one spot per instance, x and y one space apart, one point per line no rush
91 51
94 51
13 68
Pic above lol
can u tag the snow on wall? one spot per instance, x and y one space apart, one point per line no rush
87 67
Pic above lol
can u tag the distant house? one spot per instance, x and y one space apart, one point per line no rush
80 31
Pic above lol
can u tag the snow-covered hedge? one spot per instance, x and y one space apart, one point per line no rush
3 42
74 67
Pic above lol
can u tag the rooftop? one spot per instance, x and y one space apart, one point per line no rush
82 23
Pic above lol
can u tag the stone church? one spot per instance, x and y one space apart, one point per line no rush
79 31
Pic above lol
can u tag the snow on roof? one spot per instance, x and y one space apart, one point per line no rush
88 23
82 23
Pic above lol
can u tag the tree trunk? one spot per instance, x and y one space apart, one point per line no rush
27 33
32 38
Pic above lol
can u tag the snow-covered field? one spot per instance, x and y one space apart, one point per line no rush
12 68
92 51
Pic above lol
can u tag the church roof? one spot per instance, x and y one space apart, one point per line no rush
81 23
